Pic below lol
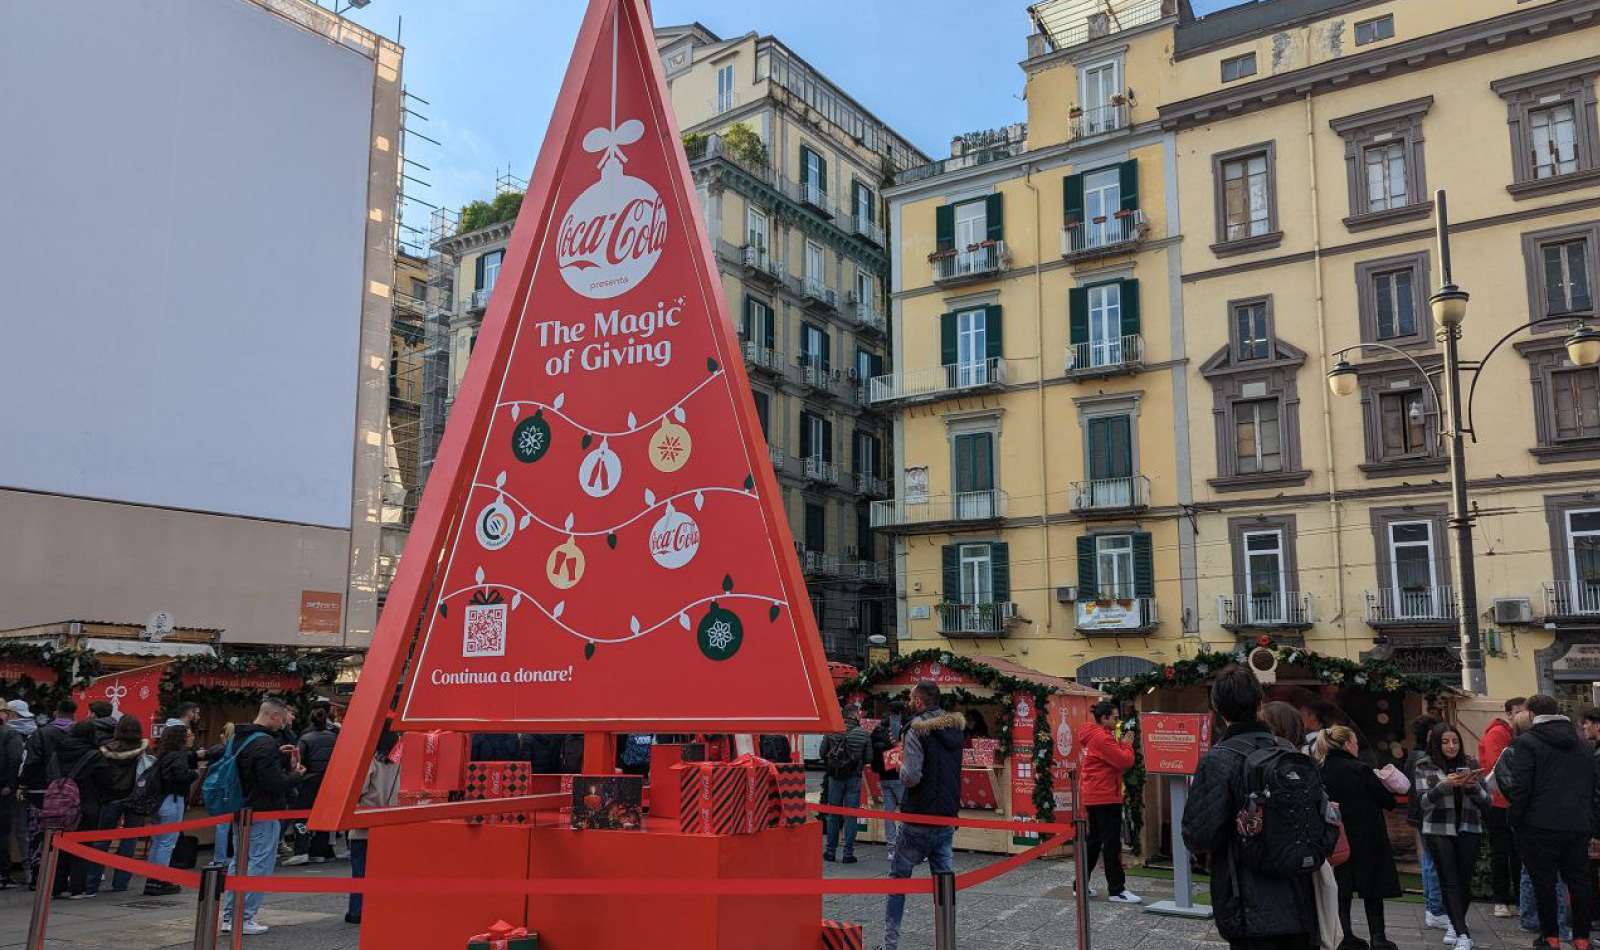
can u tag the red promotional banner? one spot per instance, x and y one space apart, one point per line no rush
265 682
1173 742
930 670
601 545
136 693
13 670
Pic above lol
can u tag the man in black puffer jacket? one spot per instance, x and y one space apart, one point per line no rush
1553 800
930 770
1254 911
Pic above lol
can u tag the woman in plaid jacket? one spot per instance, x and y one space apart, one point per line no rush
1454 800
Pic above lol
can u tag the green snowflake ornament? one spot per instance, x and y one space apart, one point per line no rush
530 440
720 633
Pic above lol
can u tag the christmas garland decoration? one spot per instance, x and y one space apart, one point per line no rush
315 672
65 661
1005 686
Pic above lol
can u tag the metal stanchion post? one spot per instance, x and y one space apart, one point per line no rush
944 910
45 884
1080 858
241 858
213 878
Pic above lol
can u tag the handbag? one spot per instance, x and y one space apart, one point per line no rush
1394 780
1325 889
1341 847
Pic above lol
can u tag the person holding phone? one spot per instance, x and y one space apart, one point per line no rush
1454 798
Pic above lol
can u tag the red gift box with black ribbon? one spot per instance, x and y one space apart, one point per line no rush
838 935
487 780
711 798
433 761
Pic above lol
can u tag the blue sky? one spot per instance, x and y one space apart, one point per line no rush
490 70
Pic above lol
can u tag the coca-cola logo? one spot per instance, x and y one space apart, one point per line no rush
613 233
674 539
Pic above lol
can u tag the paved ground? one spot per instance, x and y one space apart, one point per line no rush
1029 909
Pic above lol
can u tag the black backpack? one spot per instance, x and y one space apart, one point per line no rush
146 797
838 761
1282 821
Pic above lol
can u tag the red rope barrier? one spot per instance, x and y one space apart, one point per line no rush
1022 827
159 872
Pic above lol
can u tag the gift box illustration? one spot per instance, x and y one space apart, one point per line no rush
503 936
607 802
838 935
433 761
488 780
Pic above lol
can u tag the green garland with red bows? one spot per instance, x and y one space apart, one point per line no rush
74 668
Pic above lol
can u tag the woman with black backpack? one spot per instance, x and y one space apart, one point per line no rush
1454 801
175 771
78 760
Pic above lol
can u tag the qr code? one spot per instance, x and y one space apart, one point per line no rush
485 633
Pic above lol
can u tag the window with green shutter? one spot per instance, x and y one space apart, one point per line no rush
1087 581
974 462
944 227
1078 315
1072 199
1000 571
1128 173
994 211
950 562
1144 576
1110 448
993 348
947 339
1130 307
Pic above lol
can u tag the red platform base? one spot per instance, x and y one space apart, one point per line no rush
623 922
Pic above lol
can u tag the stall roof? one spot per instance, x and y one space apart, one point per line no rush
1021 672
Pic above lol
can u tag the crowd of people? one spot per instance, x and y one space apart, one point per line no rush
1294 826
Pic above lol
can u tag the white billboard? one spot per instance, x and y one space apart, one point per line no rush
181 247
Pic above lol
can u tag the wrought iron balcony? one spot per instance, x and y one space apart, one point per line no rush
764 358
1098 237
817 290
1108 357
1088 123
866 315
1110 495
818 564
976 620
871 572
962 507
1411 606
1290 609
479 299
759 262
1108 612
871 485
871 230
937 382
974 263
1572 599
778 456
818 469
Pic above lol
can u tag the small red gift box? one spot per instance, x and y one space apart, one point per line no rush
503 936
711 798
892 757
433 761
838 935
486 780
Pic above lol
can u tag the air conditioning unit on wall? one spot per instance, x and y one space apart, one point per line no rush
1513 610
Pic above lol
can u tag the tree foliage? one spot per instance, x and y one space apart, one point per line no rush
481 214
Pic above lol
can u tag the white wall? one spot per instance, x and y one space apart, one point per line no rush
182 237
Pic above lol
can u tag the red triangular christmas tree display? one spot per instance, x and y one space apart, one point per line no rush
609 546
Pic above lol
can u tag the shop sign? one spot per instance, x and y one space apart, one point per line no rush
940 674
263 682
320 611
1579 658
13 670
1174 742
1109 615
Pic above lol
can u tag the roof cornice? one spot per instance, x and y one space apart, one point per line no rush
1461 42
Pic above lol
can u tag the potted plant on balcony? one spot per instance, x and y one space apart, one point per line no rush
949 611
1119 100
987 612
1076 112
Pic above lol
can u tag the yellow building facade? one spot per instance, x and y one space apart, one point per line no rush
1105 486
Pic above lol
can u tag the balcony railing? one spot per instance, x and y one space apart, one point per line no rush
1396 606
976 620
811 194
1108 357
936 381
971 264
1111 494
715 146
1579 598
987 505
1120 232
1067 26
873 572
479 299
762 357
818 469
817 376
867 228
866 315
819 564
1099 120
816 289
1109 613
778 456
760 262
1273 609
872 485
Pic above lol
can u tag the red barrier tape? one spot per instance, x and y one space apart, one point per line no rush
1021 827
142 831
159 872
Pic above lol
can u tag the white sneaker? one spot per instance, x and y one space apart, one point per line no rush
297 860
1092 891
1126 897
1450 934
251 927
1436 921
1463 943
1504 910
225 927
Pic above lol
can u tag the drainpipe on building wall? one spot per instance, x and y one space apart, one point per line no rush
1044 445
1322 373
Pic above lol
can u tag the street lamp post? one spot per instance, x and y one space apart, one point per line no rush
1449 306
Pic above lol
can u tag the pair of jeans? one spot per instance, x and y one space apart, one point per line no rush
358 868
1432 896
846 793
1552 854
1455 856
161 845
1528 913
916 842
262 858
1505 868
111 814
894 795
1105 840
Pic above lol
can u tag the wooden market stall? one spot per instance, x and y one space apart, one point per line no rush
1021 768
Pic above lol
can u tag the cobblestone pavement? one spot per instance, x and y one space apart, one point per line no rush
1029 909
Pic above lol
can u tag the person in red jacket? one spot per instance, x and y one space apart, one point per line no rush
1505 870
1101 763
